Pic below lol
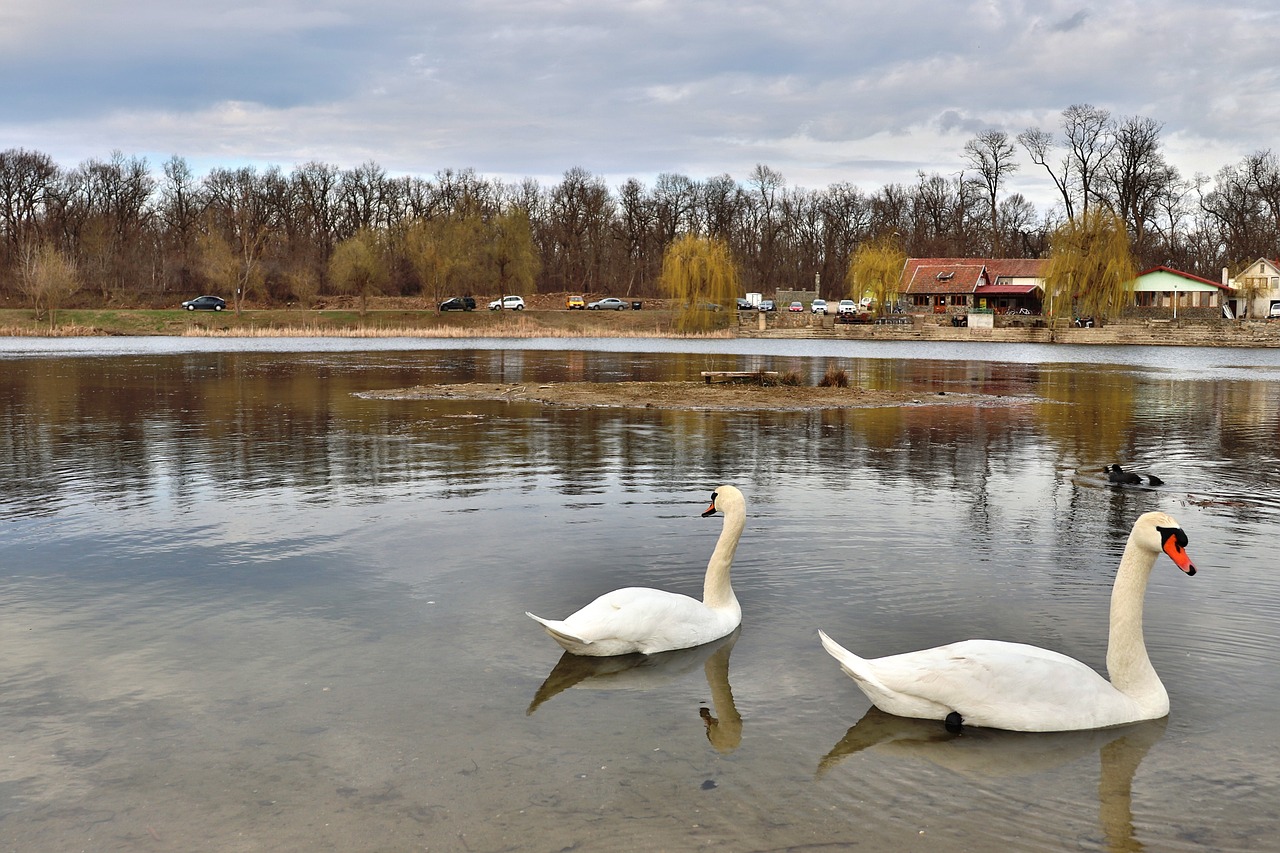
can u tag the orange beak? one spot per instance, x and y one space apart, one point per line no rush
1179 555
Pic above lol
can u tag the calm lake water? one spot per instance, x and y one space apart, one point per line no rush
243 607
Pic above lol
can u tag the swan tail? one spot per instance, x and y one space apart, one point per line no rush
855 667
556 630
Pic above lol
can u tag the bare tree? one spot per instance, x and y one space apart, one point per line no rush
1090 139
27 181
1139 177
991 154
49 278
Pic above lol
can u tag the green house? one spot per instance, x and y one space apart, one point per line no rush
1174 290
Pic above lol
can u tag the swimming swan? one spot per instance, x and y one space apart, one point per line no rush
1024 688
637 619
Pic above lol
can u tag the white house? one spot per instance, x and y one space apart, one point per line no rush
1262 279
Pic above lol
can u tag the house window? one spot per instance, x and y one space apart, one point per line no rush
1144 299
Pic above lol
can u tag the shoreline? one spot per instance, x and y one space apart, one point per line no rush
654 322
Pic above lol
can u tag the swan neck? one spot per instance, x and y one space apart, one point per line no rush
716 589
1128 665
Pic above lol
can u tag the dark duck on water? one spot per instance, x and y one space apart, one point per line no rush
1121 477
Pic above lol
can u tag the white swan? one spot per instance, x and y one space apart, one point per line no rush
637 619
1024 688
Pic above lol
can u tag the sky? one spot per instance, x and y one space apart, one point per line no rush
821 92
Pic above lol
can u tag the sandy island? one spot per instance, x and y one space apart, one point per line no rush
688 396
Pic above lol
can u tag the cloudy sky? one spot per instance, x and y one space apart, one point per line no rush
867 92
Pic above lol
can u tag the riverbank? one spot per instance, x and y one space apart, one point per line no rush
655 319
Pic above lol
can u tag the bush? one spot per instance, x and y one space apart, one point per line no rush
834 378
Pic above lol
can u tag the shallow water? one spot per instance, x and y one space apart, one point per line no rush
245 608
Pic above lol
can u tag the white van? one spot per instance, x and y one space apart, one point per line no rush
1275 311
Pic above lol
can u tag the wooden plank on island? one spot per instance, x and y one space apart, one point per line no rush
710 376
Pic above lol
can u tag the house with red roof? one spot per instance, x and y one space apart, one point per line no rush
1174 291
958 285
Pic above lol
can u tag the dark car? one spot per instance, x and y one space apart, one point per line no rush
458 303
205 303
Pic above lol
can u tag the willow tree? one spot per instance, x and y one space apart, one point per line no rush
221 267
698 272
357 266
1091 269
511 252
875 270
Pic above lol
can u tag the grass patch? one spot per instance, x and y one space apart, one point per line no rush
835 377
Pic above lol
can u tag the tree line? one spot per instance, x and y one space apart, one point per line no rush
131 234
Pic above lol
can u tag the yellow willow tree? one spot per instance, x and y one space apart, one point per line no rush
875 270
1091 269
357 266
698 272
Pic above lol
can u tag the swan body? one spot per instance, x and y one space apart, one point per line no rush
1019 687
639 619
1121 477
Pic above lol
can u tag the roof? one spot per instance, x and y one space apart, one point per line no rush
1007 289
969 275
998 268
942 275
1180 274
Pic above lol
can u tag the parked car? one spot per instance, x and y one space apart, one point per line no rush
459 303
744 305
847 306
767 305
796 307
205 303
609 303
575 302
511 303
1275 311
818 306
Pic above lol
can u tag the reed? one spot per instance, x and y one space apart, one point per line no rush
522 329
835 377
70 331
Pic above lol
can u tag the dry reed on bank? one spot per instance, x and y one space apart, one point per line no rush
519 330
47 332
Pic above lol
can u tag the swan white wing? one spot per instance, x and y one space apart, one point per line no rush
638 619
1007 685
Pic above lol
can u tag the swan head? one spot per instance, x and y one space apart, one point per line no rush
1158 531
724 499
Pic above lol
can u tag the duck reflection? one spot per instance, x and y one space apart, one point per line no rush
993 754
646 672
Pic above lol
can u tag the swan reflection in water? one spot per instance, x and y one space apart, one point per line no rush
646 672
993 754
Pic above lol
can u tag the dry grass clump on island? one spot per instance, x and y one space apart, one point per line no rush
835 377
